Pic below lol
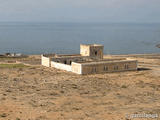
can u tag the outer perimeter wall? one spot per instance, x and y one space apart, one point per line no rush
45 61
108 67
76 68
61 66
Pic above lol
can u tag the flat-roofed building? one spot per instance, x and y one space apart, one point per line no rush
89 61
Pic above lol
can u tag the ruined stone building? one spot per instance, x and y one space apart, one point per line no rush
89 61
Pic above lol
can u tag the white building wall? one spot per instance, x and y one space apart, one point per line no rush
76 68
45 61
61 66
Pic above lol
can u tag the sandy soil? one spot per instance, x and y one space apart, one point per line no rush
40 93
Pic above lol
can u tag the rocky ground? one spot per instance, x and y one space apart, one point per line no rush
40 93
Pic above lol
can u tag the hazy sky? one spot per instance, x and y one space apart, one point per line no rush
80 10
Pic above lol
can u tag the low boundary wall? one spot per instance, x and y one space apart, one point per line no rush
76 68
45 61
109 67
61 66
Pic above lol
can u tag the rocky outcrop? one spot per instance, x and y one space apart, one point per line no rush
158 45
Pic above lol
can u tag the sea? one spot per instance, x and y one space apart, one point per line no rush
65 38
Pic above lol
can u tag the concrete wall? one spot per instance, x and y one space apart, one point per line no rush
45 61
92 67
76 68
84 50
95 51
109 67
61 66
67 60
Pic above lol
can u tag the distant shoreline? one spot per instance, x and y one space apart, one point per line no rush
104 54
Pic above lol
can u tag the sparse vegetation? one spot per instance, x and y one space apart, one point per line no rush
18 119
3 115
12 66
123 86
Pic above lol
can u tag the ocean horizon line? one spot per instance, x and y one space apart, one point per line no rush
74 22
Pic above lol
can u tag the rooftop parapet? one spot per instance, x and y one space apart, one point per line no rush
106 61
90 45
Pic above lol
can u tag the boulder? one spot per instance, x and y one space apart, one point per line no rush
158 45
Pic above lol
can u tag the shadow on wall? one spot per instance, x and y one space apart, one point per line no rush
143 69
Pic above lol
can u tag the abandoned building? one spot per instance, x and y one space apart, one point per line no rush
89 61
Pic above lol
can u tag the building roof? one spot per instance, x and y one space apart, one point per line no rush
105 61
91 45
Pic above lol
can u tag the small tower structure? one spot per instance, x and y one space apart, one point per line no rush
92 50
